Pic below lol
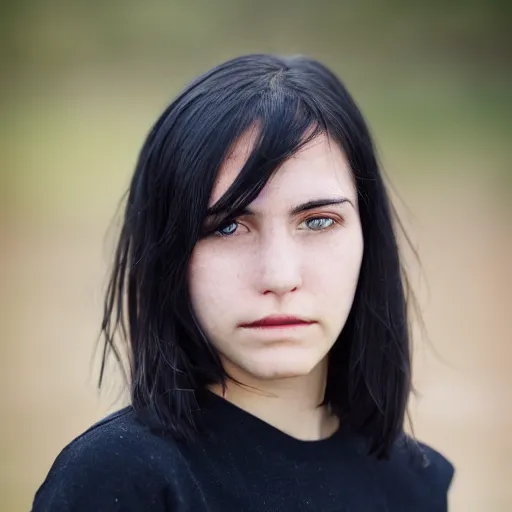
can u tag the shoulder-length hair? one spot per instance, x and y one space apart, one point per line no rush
291 100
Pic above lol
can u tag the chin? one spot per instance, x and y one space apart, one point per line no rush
280 374
281 367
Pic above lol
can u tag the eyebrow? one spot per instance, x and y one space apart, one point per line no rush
318 203
308 205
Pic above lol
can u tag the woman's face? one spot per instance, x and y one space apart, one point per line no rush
293 258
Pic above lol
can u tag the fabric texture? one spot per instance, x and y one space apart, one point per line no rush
242 465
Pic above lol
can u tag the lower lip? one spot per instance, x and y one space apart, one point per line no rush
274 327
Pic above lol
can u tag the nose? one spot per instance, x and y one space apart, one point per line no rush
279 262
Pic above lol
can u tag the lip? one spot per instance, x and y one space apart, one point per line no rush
278 322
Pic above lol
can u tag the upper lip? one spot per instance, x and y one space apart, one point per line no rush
278 320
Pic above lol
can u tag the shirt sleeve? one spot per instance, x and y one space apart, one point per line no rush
111 475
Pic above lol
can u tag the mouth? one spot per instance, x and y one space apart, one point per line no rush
278 322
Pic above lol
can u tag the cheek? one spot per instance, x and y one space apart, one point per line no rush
333 269
214 283
201 280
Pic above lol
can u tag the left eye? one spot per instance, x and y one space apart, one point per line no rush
228 229
318 223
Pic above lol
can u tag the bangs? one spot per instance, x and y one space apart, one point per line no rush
283 123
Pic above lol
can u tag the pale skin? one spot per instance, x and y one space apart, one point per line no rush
296 252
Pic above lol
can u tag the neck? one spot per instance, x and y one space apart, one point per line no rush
290 405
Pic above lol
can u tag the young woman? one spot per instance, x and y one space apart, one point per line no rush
258 287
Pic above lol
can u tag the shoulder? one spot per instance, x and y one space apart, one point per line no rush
435 467
116 460
119 440
425 474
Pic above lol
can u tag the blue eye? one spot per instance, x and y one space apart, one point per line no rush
319 223
228 229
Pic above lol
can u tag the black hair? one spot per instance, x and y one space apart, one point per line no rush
291 100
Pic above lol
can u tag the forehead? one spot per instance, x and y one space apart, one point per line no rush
318 170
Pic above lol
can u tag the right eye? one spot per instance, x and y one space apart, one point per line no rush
228 229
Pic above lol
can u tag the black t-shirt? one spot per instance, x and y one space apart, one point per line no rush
242 465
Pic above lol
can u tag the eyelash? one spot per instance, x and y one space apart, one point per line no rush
330 220
312 219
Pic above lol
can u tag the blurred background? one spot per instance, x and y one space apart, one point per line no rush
83 81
